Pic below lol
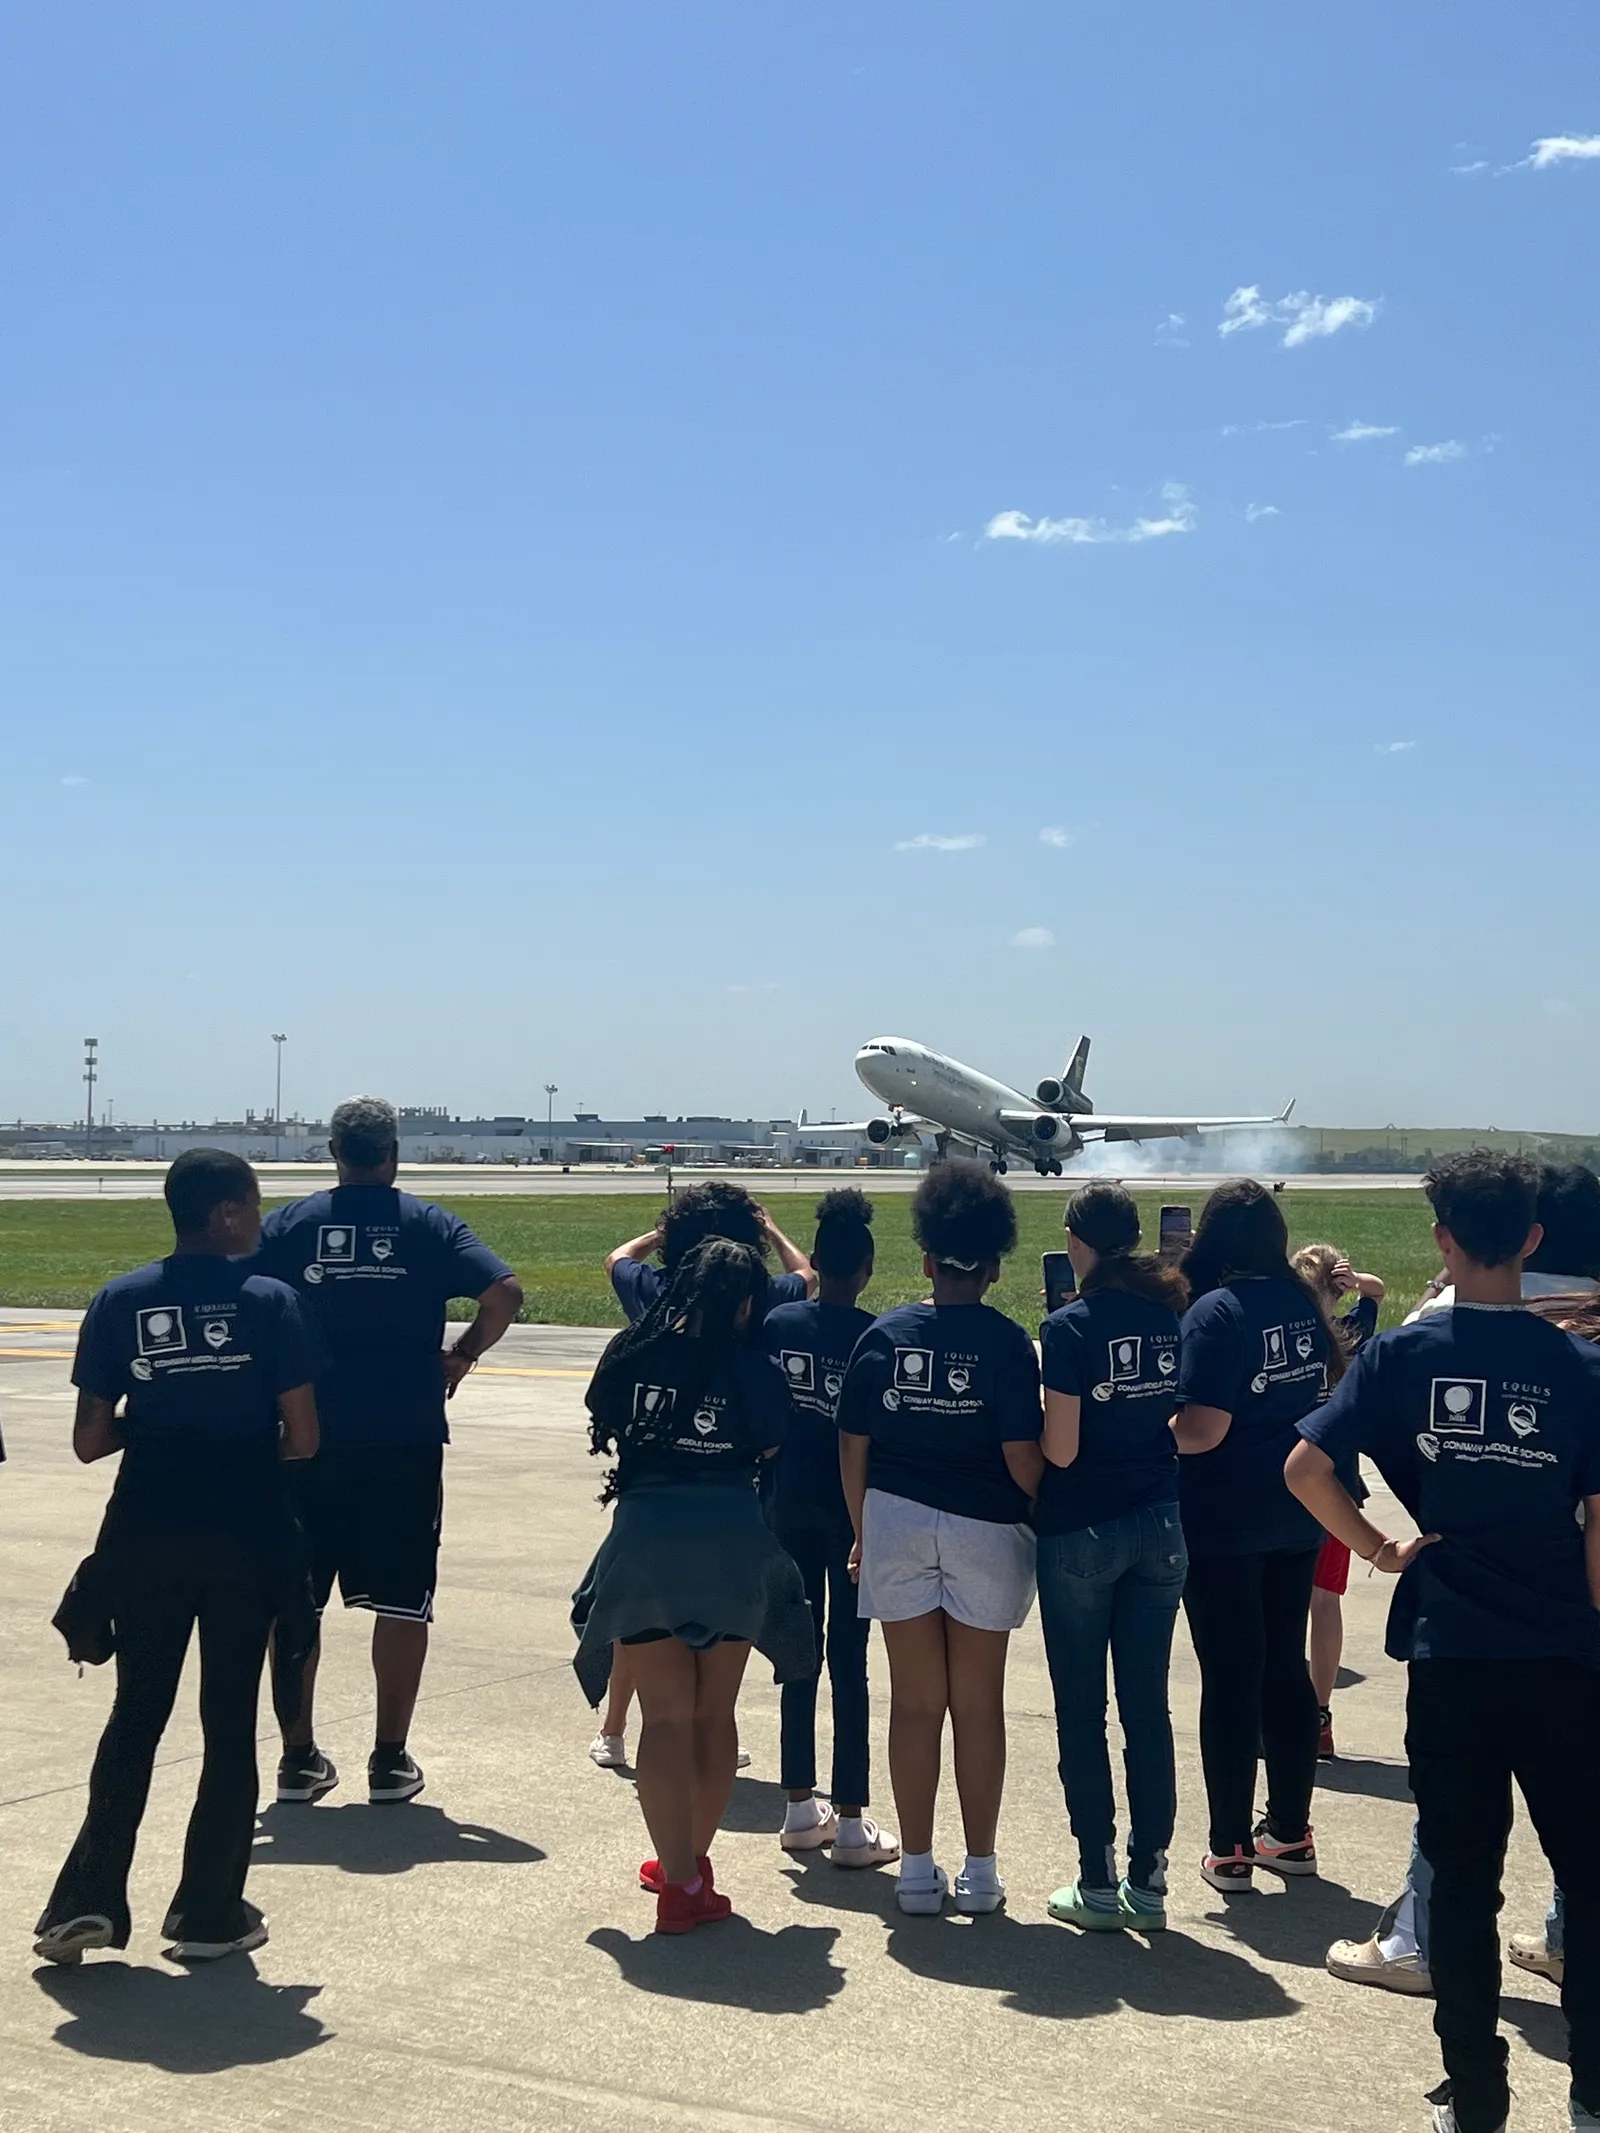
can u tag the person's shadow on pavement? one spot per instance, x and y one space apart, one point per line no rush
198 2021
733 1964
380 1840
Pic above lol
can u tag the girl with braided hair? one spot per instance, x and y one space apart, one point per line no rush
690 1576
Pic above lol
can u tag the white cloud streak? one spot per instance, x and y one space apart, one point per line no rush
1562 148
1254 512
1179 517
969 841
1254 429
1033 937
1393 747
1170 333
74 781
1059 840
1365 432
1303 317
1435 455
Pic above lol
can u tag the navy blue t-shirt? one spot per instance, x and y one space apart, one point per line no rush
1258 1350
939 1388
200 1349
376 1269
637 1284
1119 1354
1485 1423
699 1427
812 1344
1359 1323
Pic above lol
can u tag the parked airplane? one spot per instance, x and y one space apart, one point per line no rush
928 1096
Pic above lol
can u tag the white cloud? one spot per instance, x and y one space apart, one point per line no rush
1033 937
1170 333
1089 532
1393 747
1562 148
1364 432
967 842
946 538
1253 429
1468 170
1253 512
1061 839
1304 317
1434 455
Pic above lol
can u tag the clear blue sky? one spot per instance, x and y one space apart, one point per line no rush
512 517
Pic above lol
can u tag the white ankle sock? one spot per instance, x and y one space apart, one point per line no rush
917 1869
804 1814
980 1873
852 1830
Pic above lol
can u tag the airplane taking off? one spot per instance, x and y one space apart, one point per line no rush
928 1096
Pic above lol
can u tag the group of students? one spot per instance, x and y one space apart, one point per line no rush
1182 1437
786 1469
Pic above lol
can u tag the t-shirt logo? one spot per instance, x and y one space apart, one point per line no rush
1303 1345
650 1402
161 1331
799 1369
1457 1407
1523 1417
216 1333
336 1244
382 1248
891 1399
1125 1359
1167 1362
704 1421
913 1369
958 1378
144 1371
833 1384
1274 1351
1429 1447
313 1274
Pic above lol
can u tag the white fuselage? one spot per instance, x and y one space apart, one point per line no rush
907 1076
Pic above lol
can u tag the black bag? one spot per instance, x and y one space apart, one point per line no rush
85 1618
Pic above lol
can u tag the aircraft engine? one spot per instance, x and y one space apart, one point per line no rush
1047 1128
880 1130
1049 1092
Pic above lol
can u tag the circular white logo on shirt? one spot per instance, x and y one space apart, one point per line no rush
959 1379
1303 1347
1125 1354
1166 1362
1458 1398
1259 1384
382 1248
891 1399
142 1370
833 1384
1523 1417
704 1421
1428 1445
216 1332
1103 1392
913 1365
797 1366
337 1240
313 1275
159 1324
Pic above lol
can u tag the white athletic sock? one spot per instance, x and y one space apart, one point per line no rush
917 1869
980 1873
801 1815
852 1830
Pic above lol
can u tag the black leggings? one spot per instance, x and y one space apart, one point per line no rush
1247 1616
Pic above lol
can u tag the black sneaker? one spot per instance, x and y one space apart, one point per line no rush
392 1776
304 1775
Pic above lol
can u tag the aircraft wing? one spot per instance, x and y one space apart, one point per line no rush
908 1119
1109 1126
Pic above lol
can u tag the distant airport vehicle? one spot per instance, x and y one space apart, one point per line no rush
929 1097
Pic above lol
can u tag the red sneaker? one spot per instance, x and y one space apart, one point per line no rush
679 1912
652 1878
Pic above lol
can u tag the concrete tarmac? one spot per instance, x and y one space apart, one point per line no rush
483 1959
453 1181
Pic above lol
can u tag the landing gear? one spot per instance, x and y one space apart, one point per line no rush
998 1164
1048 1167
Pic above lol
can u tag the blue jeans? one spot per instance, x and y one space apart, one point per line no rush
1407 1917
823 1560
1115 1588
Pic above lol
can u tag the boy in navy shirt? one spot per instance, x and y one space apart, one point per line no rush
376 1269
812 1344
714 1209
1485 1422
210 1366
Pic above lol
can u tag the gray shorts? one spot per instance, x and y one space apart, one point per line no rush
914 1560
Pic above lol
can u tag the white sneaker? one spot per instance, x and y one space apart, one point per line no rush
741 1761
923 1899
211 1951
1530 1951
977 1897
881 1848
1363 1962
65 1943
1444 2112
822 1831
609 1750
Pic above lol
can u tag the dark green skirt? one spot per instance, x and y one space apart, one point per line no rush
698 1562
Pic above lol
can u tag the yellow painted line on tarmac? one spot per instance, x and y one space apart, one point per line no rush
36 1355
508 1370
38 1325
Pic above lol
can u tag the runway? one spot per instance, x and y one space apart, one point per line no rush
454 1181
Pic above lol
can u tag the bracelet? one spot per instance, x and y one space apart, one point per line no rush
462 1354
1386 1542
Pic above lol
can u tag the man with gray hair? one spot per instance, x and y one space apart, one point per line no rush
376 1270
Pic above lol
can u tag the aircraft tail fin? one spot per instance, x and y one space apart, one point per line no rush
1072 1079
803 1118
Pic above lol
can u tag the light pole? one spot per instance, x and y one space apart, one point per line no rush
280 1040
550 1093
91 1046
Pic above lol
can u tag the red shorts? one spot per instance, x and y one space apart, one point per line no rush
1333 1567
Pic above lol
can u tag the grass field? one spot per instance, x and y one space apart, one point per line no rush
55 1252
